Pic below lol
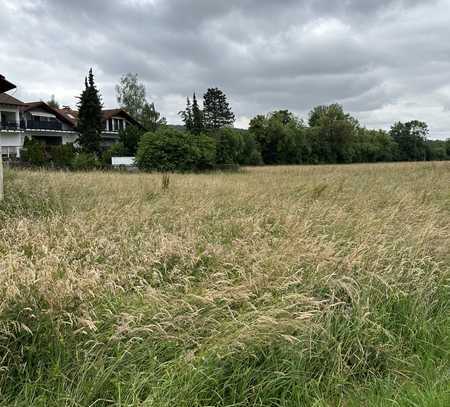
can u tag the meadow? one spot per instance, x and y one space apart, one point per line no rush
271 286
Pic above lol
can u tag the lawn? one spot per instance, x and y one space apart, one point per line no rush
271 286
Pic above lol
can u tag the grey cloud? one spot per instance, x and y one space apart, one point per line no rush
384 60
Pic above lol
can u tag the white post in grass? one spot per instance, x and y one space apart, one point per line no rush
1 173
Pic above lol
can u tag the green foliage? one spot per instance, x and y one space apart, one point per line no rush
90 123
150 118
250 153
334 136
437 150
171 150
131 95
280 136
216 110
337 132
411 140
320 115
229 146
186 116
197 117
33 152
116 150
85 162
62 155
130 137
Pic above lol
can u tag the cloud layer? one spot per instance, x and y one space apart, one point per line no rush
383 60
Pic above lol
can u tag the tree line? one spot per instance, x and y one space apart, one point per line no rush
208 139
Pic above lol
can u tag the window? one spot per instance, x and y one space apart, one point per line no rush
9 152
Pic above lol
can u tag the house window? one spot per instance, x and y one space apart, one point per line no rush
110 121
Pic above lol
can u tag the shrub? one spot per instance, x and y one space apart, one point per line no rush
116 150
62 155
171 150
129 138
85 161
33 152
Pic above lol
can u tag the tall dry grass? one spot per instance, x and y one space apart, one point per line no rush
275 286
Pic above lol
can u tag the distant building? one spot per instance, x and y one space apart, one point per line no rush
39 121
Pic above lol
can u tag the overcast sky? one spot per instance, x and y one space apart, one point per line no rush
384 60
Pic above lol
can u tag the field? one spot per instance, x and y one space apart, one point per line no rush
282 286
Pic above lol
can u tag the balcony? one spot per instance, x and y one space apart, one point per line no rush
9 125
42 125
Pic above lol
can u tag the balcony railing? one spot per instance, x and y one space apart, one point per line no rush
30 125
5 125
41 125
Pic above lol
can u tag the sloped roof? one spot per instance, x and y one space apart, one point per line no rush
72 115
109 113
69 114
6 99
42 105
5 85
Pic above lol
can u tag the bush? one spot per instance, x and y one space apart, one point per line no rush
33 152
116 150
129 138
171 150
62 155
85 162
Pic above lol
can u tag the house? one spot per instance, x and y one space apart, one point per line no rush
11 133
39 121
114 120
5 85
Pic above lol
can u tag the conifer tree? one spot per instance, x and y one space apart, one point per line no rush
186 116
216 110
197 117
90 123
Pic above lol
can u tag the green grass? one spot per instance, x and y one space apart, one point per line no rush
288 286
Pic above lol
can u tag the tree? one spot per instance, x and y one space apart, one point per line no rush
337 131
150 118
411 139
280 137
216 110
332 112
131 95
171 150
186 115
130 137
197 117
53 103
229 146
90 124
